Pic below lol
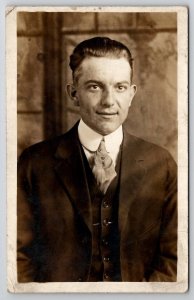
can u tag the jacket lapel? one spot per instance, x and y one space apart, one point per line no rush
132 173
71 172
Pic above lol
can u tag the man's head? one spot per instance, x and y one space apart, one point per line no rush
102 83
98 47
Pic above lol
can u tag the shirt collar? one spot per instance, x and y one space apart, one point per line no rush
90 139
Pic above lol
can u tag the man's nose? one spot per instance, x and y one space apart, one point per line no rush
108 98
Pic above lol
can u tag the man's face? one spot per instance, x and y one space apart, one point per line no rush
104 92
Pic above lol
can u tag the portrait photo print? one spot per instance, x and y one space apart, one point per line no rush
97 143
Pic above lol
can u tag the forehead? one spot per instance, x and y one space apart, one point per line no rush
104 68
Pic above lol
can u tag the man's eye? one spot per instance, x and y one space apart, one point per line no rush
94 87
121 88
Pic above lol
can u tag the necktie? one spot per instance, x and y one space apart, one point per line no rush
103 168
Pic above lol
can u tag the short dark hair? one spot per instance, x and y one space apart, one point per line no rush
99 47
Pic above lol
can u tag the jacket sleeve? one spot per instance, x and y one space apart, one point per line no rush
165 266
26 225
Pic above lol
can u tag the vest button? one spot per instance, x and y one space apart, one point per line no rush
106 222
106 258
80 279
106 276
84 241
105 242
105 204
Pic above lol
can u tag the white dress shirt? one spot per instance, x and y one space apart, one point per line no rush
90 141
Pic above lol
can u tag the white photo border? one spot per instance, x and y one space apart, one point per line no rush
11 89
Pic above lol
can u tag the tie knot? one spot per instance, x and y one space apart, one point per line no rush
101 156
101 147
103 168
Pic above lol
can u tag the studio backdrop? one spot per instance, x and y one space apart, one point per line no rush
45 42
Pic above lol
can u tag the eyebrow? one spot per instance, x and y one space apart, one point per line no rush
123 82
93 81
101 83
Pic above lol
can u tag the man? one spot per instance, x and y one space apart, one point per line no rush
97 204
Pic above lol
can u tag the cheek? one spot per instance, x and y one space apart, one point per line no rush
124 103
88 102
86 106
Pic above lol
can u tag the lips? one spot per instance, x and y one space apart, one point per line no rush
105 113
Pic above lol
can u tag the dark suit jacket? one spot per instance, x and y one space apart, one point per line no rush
55 218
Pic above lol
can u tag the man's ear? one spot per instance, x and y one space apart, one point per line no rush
72 92
133 90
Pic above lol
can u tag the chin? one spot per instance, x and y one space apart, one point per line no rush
106 131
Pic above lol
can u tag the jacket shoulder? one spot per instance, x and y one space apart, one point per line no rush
46 148
147 149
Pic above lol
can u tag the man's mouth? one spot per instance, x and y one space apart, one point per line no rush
105 113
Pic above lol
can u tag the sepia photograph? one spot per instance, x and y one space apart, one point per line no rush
97 105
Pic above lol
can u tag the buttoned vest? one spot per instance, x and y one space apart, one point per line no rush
105 264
